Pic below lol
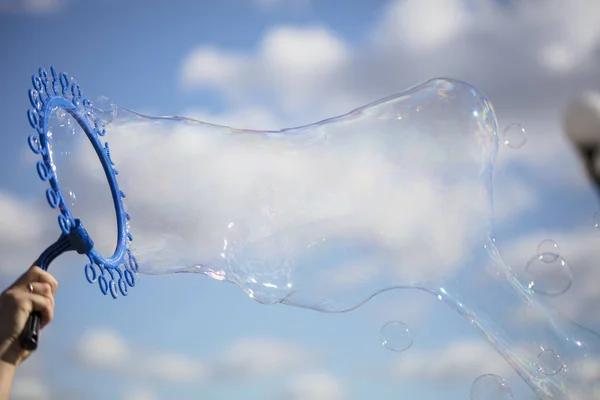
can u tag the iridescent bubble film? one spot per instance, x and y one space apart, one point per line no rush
328 215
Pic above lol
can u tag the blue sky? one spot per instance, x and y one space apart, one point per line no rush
280 63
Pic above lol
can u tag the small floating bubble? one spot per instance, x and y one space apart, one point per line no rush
548 250
549 362
490 387
514 136
396 336
549 278
597 220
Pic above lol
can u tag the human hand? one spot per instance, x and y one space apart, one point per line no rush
33 291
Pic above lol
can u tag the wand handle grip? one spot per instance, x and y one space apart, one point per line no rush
31 333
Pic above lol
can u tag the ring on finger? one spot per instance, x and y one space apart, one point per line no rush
30 287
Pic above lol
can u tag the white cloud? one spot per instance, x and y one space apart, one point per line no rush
297 62
18 219
303 53
103 348
246 358
32 6
23 232
458 362
590 372
29 389
255 358
557 57
413 40
208 66
293 64
106 349
314 386
139 393
573 32
562 35
29 382
503 51
174 368
43 6
423 25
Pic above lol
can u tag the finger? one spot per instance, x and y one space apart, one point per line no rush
45 277
36 274
29 275
42 288
25 278
44 306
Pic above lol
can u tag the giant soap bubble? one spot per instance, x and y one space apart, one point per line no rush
395 194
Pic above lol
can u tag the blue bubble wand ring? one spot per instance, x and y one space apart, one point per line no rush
114 274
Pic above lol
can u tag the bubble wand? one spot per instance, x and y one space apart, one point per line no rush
115 273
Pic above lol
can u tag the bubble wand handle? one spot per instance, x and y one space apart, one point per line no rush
77 240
